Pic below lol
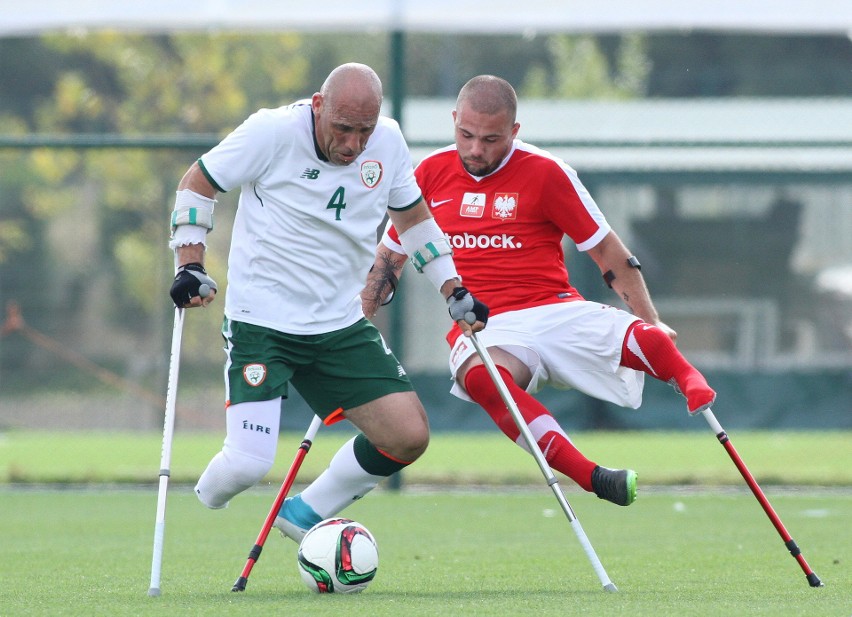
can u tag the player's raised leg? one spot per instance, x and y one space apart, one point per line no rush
647 348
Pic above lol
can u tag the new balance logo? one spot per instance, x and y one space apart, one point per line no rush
310 174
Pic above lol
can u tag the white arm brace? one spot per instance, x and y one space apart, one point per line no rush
192 218
429 251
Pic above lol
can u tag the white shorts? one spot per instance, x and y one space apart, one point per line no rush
568 345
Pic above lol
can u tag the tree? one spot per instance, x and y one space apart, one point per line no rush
580 68
100 217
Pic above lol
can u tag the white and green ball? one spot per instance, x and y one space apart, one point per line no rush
338 555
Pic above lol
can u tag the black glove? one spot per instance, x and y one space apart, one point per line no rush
463 306
191 280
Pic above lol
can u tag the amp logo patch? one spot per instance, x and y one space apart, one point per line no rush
505 206
473 205
254 374
371 173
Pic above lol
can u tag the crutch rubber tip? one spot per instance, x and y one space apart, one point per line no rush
814 581
240 585
611 588
154 592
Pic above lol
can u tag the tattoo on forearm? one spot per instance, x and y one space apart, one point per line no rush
381 281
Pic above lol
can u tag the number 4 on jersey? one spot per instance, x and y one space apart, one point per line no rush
337 202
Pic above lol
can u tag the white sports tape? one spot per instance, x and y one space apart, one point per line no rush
192 218
429 251
193 209
188 234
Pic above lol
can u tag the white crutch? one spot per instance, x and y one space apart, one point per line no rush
608 585
166 454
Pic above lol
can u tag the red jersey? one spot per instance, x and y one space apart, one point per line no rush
506 228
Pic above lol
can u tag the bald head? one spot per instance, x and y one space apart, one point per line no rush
357 83
487 94
346 112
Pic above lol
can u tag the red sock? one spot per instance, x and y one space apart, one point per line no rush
647 348
559 452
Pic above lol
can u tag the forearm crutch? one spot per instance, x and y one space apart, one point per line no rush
166 453
254 554
791 545
552 482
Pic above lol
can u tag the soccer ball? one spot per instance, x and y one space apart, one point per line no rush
338 555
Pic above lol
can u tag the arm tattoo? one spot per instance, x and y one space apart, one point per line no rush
382 281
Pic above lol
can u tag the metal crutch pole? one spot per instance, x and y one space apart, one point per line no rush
552 482
722 436
166 453
254 553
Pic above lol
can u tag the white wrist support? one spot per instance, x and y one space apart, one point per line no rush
429 251
188 234
192 218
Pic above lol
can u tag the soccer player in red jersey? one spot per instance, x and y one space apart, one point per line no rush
505 207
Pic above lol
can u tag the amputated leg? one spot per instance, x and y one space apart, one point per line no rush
247 454
648 349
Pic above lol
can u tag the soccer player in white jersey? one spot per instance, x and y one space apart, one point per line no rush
505 207
316 179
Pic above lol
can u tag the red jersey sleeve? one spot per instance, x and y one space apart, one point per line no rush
571 208
391 239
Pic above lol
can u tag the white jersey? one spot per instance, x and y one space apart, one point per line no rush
305 230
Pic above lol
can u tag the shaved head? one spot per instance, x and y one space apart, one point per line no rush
485 125
346 112
358 83
487 94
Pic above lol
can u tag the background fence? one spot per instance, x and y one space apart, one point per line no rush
744 244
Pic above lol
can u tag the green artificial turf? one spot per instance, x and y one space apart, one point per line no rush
454 552
667 458
474 530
